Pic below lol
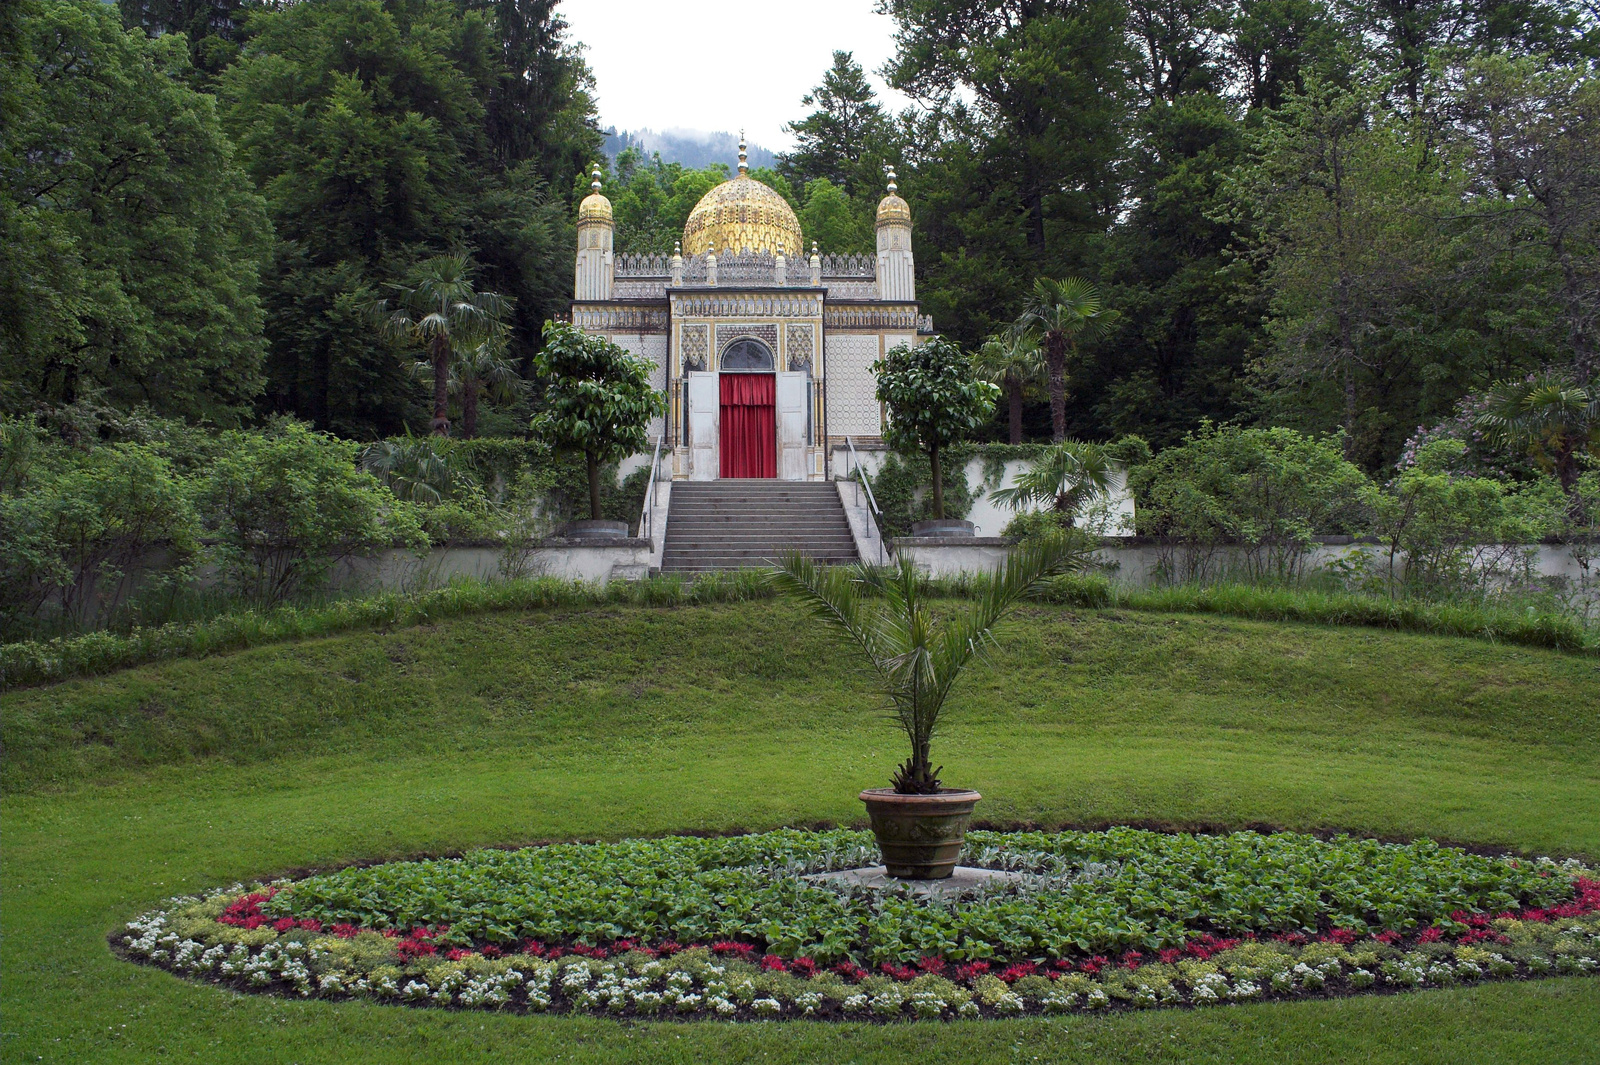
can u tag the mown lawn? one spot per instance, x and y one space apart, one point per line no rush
509 728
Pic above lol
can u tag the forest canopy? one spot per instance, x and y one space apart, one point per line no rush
1347 217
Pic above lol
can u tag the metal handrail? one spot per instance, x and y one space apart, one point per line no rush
861 477
647 520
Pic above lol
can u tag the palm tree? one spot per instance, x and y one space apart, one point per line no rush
480 370
1551 415
412 469
440 311
1011 359
1064 477
918 656
1064 312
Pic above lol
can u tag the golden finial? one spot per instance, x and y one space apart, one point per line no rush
595 174
744 161
893 188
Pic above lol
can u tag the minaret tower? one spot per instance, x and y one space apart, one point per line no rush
596 230
896 280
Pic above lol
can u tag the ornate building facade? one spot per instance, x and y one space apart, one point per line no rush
764 352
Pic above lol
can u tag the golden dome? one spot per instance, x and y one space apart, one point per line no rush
892 210
595 207
742 215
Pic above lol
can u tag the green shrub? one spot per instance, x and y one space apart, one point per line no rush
1265 493
73 526
287 505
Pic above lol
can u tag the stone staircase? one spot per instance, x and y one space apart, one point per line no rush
740 524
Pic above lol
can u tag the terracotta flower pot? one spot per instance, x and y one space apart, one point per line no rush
920 835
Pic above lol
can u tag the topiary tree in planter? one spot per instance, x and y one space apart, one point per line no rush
917 657
597 400
934 400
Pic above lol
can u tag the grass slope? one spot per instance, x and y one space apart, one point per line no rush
612 722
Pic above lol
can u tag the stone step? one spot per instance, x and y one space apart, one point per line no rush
752 524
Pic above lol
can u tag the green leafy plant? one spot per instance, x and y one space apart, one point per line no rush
598 400
917 656
933 401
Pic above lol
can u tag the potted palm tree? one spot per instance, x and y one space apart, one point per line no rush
917 657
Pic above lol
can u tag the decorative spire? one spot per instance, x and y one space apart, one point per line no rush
677 249
814 250
595 174
744 159
893 188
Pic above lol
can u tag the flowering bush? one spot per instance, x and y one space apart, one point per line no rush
1543 918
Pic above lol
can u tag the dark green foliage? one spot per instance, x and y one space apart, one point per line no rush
1135 890
131 237
367 125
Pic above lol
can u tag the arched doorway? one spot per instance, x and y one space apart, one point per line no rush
748 426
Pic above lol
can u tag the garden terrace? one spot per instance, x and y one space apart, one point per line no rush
588 721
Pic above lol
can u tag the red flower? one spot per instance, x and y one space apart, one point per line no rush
1170 957
346 931
971 970
850 970
1430 935
1092 965
533 948
805 967
1389 936
1342 936
1132 959
456 953
492 951
771 963
898 972
1012 973
283 924
728 946
310 924
931 964
668 948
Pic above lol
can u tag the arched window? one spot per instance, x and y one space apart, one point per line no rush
747 354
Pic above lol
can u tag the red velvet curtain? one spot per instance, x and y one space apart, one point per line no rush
749 430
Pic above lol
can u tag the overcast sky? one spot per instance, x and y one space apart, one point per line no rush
722 64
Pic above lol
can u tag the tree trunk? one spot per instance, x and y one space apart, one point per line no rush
469 409
938 484
1014 397
1056 360
441 387
594 485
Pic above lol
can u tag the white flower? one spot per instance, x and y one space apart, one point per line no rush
767 1007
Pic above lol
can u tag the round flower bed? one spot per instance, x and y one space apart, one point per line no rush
739 927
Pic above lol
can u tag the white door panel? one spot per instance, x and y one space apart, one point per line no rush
705 403
792 426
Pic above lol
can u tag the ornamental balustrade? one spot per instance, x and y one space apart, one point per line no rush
872 318
620 319
798 306
849 266
647 273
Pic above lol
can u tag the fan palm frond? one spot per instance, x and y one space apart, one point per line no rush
917 656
